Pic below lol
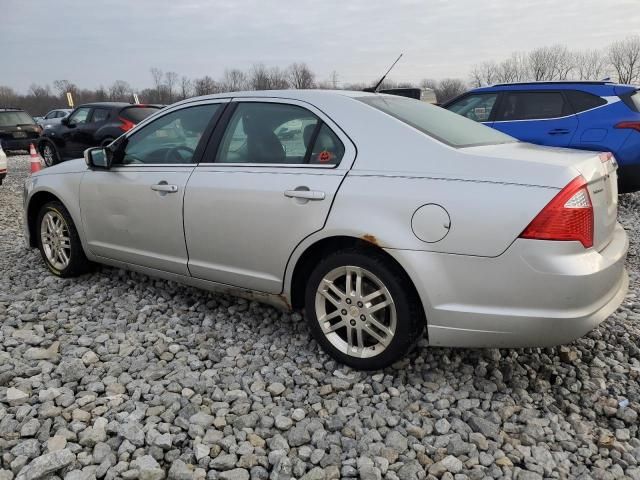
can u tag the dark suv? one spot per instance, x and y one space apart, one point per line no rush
17 129
90 125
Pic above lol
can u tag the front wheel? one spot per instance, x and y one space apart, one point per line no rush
59 242
49 154
362 309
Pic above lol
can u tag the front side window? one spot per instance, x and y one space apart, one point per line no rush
436 122
99 115
475 107
51 115
532 106
172 138
274 133
79 117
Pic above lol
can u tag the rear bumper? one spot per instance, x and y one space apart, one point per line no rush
18 143
536 294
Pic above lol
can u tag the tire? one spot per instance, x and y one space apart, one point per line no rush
49 153
403 318
106 141
77 263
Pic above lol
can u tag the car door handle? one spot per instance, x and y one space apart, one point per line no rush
304 194
558 131
165 188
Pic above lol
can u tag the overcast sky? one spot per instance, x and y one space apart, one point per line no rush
94 42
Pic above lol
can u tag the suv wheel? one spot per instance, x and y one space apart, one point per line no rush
49 153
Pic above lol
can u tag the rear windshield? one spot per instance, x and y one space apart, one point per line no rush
437 122
10 119
137 114
632 100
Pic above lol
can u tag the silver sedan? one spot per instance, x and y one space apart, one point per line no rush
380 216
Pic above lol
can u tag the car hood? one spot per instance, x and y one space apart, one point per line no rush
71 166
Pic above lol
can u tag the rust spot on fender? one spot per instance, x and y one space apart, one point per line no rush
371 239
285 300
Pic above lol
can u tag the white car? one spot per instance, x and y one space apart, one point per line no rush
379 215
54 117
3 164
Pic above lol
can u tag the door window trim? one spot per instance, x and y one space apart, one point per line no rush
216 139
506 92
204 140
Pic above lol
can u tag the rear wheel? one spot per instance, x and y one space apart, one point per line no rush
362 309
49 153
59 242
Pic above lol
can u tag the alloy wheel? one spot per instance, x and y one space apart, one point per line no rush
48 155
56 242
355 311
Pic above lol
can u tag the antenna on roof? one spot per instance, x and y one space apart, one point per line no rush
375 89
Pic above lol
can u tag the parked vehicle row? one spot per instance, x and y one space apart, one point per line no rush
379 215
54 117
598 116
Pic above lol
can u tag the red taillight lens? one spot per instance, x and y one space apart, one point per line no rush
568 217
632 125
126 124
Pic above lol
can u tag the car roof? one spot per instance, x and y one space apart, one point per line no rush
11 109
115 105
601 88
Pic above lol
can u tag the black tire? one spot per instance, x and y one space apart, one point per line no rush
106 141
49 153
410 319
78 262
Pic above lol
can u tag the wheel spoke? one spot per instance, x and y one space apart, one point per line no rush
329 316
383 328
334 327
359 339
373 296
379 306
383 340
63 256
335 290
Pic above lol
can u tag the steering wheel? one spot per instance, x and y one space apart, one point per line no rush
172 153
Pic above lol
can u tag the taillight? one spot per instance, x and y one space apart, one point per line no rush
632 125
568 216
126 124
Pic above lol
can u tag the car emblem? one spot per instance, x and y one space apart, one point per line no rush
19 128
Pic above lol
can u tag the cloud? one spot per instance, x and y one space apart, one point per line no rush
93 43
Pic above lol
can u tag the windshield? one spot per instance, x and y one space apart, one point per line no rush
441 124
10 119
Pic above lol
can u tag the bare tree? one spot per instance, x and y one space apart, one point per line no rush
449 88
259 77
120 91
205 86
157 75
234 80
624 56
483 74
334 80
171 81
278 79
64 86
590 65
185 87
301 76
39 91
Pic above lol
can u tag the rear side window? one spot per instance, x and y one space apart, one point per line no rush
137 114
581 101
9 119
99 115
439 123
632 100
532 106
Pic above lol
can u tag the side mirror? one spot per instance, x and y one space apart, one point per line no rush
98 157
65 121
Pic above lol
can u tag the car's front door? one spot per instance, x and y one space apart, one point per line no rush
133 212
542 117
83 136
266 182
77 121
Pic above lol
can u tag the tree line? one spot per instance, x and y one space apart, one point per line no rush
620 61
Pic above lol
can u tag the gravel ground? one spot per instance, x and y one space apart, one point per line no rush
117 375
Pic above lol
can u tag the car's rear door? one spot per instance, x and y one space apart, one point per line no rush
267 181
538 116
132 213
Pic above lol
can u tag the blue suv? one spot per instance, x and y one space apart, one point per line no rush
599 116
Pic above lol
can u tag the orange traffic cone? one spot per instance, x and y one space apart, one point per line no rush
36 165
